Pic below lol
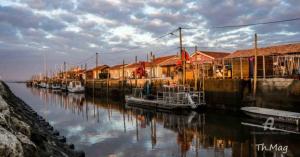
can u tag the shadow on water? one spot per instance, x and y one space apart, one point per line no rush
102 126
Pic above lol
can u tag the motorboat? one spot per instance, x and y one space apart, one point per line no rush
278 115
76 87
171 97
42 85
56 86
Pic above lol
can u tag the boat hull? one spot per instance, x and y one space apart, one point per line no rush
277 118
155 103
76 90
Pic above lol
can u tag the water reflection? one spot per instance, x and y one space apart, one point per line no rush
105 127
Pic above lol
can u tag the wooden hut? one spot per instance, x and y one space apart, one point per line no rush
272 61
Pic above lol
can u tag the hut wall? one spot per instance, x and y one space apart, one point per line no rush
236 69
268 66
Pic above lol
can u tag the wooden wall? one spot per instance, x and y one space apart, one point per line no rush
236 73
236 68
268 66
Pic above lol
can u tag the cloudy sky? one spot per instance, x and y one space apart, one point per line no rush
74 30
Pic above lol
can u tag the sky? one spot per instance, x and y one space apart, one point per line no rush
35 33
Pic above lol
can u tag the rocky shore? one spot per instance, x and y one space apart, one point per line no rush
24 133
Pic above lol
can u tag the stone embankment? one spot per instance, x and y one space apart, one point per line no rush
24 133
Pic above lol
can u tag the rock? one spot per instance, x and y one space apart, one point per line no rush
80 154
62 139
3 104
10 146
21 126
72 146
25 133
4 116
29 148
55 133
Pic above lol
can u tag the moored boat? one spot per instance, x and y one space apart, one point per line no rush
171 97
278 115
56 86
42 85
76 87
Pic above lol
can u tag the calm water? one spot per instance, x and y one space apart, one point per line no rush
105 127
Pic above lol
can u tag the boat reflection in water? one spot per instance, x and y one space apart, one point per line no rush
104 127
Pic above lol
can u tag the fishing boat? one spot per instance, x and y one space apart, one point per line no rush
42 85
278 115
171 97
48 86
75 87
55 86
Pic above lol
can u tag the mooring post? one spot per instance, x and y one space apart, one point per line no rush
107 81
264 67
135 73
123 73
255 65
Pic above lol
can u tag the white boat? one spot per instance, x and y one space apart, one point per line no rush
56 86
42 85
278 115
171 97
48 85
75 87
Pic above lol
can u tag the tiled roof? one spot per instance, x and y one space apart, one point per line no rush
160 60
100 67
135 65
117 66
266 51
170 62
215 55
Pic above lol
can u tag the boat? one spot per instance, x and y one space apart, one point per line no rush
48 86
171 97
75 87
278 115
56 86
64 86
42 85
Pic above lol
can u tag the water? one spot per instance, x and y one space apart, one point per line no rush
105 127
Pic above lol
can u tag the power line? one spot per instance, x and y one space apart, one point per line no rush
259 23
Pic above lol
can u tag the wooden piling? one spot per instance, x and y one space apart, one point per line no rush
223 68
264 67
135 74
123 77
255 65
241 67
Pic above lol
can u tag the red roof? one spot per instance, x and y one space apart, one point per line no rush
215 55
170 62
267 51
117 66
160 60
101 67
135 65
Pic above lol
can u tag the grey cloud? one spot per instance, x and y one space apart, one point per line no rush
25 18
43 34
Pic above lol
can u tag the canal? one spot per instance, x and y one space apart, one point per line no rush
102 126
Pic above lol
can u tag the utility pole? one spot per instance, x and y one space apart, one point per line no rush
65 70
151 67
255 65
182 57
123 73
45 66
135 73
85 69
96 64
